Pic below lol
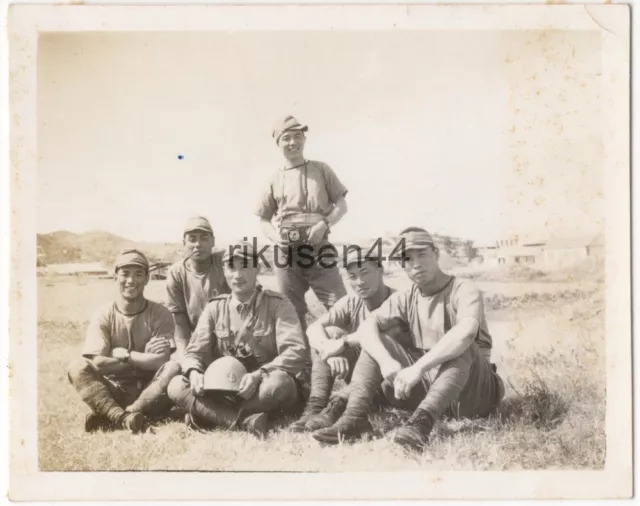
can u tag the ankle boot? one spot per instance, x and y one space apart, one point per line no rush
328 416
348 428
214 413
414 434
256 423
313 407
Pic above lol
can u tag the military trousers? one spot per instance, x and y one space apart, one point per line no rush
299 268
108 395
465 387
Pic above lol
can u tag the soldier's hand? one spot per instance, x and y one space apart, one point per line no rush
339 367
317 232
157 345
331 348
120 353
196 379
249 384
390 369
405 380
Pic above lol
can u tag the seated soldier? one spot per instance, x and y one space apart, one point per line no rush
434 367
334 349
261 329
124 370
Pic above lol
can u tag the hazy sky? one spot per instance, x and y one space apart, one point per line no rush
476 134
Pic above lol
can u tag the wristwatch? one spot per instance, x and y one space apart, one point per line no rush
326 222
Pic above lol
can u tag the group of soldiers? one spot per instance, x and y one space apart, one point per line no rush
234 355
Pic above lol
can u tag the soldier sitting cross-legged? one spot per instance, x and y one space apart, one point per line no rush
124 370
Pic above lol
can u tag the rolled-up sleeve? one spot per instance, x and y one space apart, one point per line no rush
267 206
98 339
293 352
335 189
199 352
467 302
175 292
392 312
163 325
339 315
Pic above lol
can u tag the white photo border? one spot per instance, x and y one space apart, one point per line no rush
26 22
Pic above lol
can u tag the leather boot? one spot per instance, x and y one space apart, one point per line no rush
348 428
328 416
414 434
313 407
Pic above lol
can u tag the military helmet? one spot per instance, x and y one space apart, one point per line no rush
336 332
224 374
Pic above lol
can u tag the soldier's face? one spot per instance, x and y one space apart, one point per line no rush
292 144
365 280
131 280
198 244
422 264
240 278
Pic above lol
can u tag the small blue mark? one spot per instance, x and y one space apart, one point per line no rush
180 157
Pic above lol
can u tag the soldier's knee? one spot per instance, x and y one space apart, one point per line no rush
169 369
280 387
77 368
177 387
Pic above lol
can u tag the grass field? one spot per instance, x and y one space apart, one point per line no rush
549 348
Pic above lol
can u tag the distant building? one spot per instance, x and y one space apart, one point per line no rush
562 252
159 270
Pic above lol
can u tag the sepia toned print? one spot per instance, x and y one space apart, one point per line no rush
309 251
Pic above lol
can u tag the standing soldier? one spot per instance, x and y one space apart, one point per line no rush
193 281
303 201
437 367
124 370
334 345
258 327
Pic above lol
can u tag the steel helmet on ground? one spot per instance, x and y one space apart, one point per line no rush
224 374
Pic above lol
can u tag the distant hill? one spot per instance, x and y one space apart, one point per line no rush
97 246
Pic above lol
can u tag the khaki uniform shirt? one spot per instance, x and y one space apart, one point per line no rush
428 318
273 335
349 312
188 292
290 192
111 329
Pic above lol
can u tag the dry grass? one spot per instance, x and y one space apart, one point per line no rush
549 349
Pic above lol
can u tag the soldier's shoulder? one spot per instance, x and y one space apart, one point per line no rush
177 266
103 312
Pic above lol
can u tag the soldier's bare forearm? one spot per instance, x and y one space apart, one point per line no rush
269 231
453 344
182 333
337 213
317 336
148 361
110 365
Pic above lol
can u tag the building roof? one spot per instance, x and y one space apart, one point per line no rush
576 242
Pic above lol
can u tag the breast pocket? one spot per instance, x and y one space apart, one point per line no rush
265 348
222 343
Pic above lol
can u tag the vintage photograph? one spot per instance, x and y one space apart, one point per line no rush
330 249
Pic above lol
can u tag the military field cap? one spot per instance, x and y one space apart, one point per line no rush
197 223
361 255
241 250
285 124
417 240
131 257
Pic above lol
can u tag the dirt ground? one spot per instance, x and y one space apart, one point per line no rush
549 348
